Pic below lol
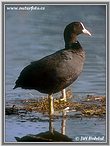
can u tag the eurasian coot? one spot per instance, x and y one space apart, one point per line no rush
57 71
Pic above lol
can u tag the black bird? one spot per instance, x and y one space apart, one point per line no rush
57 71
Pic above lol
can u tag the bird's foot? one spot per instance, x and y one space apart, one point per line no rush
63 99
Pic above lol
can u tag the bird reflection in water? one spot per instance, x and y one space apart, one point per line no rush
51 135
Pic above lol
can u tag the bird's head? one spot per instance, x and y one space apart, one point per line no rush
73 29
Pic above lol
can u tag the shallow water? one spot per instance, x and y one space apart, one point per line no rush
75 128
31 35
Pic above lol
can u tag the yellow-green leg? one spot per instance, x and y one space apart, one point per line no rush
63 95
51 107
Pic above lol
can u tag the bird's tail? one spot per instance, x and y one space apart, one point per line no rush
15 87
17 138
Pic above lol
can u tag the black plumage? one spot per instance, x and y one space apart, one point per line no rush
57 71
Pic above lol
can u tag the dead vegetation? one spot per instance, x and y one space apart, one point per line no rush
89 106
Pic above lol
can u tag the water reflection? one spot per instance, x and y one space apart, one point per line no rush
51 135
63 123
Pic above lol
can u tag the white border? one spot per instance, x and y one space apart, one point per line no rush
106 60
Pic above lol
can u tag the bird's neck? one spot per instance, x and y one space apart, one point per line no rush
76 45
69 40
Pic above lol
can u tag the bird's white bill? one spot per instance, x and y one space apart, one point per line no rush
85 31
